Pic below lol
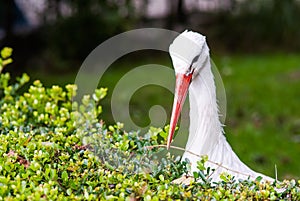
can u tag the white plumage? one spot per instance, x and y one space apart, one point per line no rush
190 57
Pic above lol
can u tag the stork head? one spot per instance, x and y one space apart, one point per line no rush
189 53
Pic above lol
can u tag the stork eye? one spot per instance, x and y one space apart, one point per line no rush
191 68
195 59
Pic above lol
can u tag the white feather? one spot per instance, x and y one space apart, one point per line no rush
206 136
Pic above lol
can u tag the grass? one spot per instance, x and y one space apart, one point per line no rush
263 116
263 124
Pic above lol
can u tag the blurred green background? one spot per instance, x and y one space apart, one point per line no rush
255 45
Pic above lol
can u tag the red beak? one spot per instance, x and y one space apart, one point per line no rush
182 84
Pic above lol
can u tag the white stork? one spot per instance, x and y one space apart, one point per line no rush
190 56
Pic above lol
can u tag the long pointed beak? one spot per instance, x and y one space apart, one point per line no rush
182 84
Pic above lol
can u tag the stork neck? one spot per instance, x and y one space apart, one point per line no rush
205 127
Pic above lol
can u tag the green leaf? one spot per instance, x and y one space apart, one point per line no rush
200 165
225 177
65 176
196 175
6 52
161 177
7 61
99 94
53 174
4 180
259 178
202 176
